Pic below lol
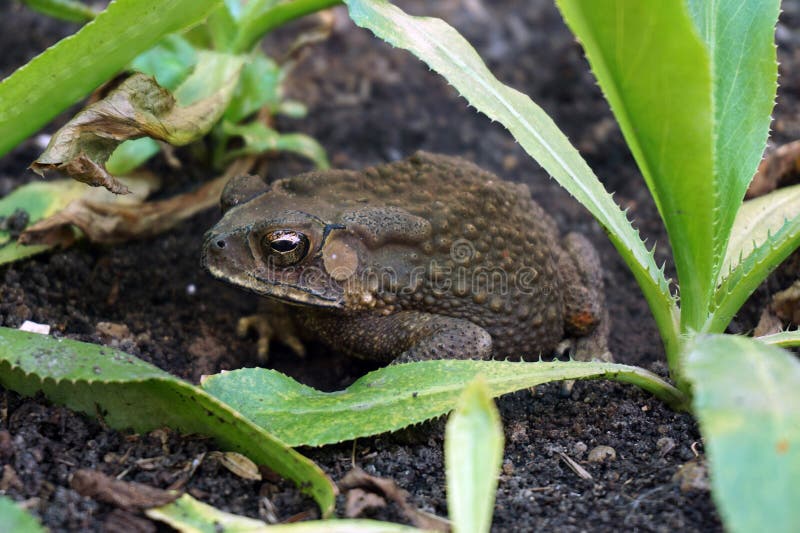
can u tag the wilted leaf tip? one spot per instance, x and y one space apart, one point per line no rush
84 169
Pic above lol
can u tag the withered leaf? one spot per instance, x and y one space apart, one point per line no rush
40 200
124 494
114 222
139 107
388 489
779 168
358 501
237 463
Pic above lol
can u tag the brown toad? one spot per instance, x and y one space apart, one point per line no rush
426 258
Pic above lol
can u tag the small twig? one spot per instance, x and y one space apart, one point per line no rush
575 467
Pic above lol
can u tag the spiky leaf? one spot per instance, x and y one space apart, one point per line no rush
473 454
757 220
744 74
692 89
130 393
396 396
740 283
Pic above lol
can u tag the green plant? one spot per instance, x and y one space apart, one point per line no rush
692 85
129 393
164 42
473 453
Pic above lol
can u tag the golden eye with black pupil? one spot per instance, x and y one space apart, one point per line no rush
285 247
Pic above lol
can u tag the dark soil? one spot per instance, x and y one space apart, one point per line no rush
369 103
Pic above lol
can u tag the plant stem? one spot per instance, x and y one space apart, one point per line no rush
669 327
262 19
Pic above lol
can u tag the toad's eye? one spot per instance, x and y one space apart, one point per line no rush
285 247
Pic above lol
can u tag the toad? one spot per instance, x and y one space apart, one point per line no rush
430 257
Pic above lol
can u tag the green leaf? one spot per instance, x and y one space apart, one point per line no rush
259 139
757 220
169 62
130 155
38 200
473 456
694 110
259 85
259 17
130 393
14 518
214 78
747 398
75 66
766 231
396 396
69 10
740 283
744 71
223 28
449 54
783 339
654 71
235 7
189 515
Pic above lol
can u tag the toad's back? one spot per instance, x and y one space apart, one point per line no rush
488 254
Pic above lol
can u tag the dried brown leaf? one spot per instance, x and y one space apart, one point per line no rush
237 463
139 107
779 168
580 471
359 500
388 489
115 222
124 494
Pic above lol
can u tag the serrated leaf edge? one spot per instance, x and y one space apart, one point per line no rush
747 275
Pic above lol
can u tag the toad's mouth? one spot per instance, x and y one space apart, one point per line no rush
287 293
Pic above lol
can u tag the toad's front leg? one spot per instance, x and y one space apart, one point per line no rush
400 337
586 319
272 323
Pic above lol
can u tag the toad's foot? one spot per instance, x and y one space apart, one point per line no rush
586 320
269 327
592 347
